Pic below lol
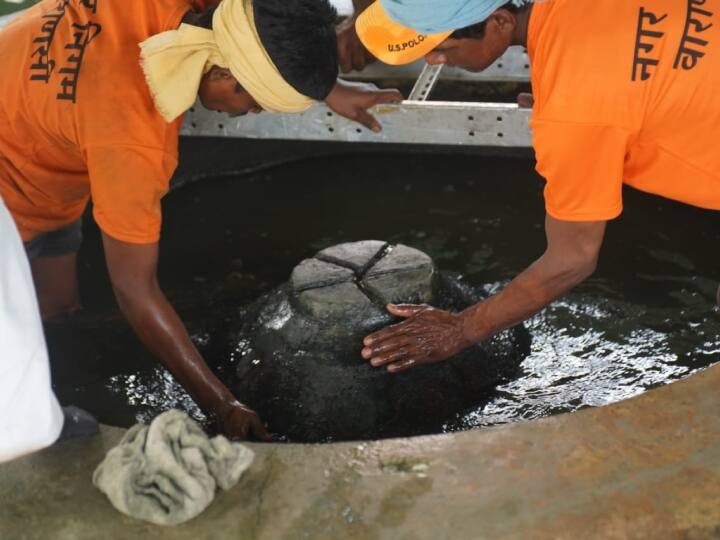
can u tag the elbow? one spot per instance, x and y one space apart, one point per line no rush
131 296
587 270
126 298
581 267
573 251
566 270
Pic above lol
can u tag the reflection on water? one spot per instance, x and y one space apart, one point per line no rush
588 355
646 318
153 392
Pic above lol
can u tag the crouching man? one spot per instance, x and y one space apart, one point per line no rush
626 93
91 101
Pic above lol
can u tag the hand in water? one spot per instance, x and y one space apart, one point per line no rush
352 54
352 100
428 335
241 422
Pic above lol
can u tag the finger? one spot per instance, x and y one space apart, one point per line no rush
386 347
402 365
259 431
525 100
405 310
345 58
388 96
388 332
391 357
368 120
434 58
345 64
358 58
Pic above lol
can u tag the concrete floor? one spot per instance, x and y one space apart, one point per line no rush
644 468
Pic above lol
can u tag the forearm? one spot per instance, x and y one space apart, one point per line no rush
163 333
531 291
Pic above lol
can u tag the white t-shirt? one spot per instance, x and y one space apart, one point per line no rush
30 416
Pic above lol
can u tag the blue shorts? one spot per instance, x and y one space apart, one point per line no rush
63 241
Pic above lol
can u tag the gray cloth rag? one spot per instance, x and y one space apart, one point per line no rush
168 472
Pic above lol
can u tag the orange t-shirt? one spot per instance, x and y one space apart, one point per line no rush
626 91
77 119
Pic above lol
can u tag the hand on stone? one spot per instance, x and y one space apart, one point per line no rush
352 100
428 335
240 422
352 54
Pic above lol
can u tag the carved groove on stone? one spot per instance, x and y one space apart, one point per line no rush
374 298
340 276
321 256
384 252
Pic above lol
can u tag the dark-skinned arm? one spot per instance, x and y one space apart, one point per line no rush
352 54
133 273
428 335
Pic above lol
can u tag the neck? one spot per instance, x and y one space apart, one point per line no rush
521 29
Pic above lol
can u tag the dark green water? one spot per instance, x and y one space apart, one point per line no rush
646 318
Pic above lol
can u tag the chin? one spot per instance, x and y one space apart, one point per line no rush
209 104
476 69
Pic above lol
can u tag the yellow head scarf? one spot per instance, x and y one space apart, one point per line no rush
175 61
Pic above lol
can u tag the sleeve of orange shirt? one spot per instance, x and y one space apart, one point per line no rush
127 184
583 166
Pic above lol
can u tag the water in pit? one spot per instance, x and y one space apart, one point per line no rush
646 318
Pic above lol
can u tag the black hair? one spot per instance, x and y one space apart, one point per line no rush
477 30
204 19
299 36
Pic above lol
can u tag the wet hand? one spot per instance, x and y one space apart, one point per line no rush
352 100
240 422
428 335
352 54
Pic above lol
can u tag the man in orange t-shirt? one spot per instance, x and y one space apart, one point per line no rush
78 120
625 92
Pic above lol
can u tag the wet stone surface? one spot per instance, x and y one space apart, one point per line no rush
350 280
299 359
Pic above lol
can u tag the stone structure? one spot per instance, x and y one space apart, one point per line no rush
299 359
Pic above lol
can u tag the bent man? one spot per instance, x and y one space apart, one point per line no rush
625 92
92 98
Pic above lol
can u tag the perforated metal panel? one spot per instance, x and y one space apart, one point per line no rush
431 122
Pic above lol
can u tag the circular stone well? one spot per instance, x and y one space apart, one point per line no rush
299 362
